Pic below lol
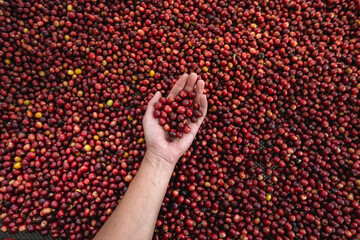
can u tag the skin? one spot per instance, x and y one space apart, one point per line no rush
136 214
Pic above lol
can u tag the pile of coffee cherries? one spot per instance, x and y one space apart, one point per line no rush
277 155
175 113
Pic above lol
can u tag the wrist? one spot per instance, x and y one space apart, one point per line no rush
158 161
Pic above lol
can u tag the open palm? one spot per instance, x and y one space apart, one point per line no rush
155 136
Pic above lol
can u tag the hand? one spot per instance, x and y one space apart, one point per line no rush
155 136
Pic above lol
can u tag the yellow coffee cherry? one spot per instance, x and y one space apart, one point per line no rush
109 103
17 165
152 73
38 115
87 148
78 71
268 197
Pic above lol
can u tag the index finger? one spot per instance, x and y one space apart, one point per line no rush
199 90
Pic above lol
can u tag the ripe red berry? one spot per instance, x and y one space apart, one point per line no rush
172 133
166 127
185 103
158 105
183 94
163 114
163 100
186 129
192 95
181 117
179 134
181 109
168 109
198 113
92 55
189 112
196 106
157 113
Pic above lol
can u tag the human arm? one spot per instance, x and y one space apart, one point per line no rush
136 215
